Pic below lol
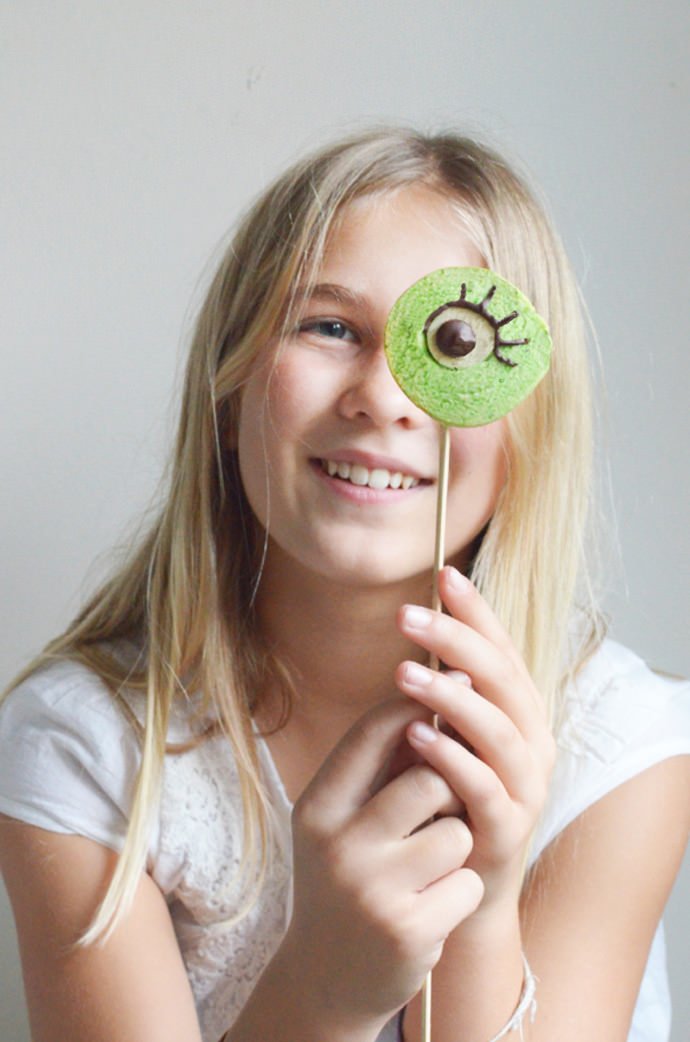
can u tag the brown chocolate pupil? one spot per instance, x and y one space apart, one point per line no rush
455 338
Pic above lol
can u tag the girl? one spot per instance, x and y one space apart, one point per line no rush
225 813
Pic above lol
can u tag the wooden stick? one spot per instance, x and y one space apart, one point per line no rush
441 505
439 557
426 1009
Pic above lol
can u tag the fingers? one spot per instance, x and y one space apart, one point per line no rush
500 756
346 794
464 601
352 772
408 802
473 641
410 826
489 761
492 735
459 894
487 801
431 853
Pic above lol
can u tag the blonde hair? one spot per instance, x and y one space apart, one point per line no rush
185 596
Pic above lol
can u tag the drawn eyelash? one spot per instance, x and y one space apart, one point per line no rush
460 340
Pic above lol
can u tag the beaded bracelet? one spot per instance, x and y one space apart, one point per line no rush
526 1004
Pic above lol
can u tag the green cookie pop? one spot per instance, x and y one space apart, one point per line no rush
466 346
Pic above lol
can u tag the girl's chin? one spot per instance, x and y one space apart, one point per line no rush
354 569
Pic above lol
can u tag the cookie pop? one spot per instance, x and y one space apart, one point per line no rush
466 347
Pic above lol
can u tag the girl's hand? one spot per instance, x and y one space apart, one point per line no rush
501 757
379 885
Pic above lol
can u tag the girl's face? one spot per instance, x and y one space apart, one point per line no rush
337 463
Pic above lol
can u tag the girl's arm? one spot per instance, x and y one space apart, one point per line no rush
588 912
595 899
132 987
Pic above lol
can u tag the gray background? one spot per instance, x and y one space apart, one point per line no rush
134 132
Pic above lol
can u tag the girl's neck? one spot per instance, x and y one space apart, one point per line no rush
340 640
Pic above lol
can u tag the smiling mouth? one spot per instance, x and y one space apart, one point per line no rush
379 478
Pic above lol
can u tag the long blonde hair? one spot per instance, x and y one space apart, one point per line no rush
184 599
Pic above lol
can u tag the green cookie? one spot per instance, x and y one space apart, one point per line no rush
466 346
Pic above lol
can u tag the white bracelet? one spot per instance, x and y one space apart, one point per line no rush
527 1004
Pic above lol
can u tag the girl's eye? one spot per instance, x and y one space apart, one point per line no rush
331 328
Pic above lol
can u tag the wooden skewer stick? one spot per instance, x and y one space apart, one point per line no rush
441 505
439 557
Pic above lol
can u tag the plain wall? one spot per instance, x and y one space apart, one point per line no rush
133 133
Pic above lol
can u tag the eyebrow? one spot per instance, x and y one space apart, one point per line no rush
330 291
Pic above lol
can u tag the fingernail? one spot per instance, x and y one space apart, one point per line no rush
460 676
416 618
419 733
456 579
416 676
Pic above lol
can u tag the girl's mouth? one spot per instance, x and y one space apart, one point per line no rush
378 478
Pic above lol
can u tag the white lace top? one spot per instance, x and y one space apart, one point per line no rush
68 758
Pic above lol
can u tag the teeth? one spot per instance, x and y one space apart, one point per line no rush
378 478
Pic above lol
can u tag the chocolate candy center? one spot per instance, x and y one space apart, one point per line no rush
455 338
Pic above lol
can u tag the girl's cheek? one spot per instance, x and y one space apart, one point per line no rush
473 447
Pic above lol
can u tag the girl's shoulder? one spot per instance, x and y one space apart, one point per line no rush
63 697
618 693
69 753
618 718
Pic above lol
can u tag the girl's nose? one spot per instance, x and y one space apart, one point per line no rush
372 394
